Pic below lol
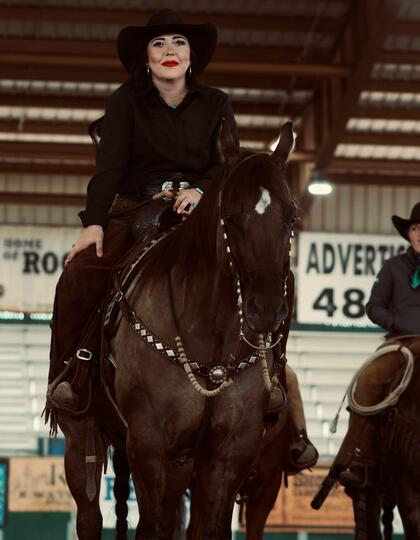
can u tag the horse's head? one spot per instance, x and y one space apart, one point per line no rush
258 213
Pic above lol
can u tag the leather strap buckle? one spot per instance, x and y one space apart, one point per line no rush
118 297
84 354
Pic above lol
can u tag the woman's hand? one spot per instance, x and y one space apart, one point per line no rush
94 234
167 194
184 198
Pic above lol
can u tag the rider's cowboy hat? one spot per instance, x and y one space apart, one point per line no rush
402 225
133 40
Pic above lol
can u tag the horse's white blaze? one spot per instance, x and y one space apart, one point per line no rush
263 202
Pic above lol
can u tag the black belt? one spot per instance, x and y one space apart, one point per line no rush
148 191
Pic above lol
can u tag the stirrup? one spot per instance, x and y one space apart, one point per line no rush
302 454
63 397
356 475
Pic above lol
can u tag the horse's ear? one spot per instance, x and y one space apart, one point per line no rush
286 143
225 144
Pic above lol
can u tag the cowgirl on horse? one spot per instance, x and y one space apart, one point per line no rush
394 304
158 133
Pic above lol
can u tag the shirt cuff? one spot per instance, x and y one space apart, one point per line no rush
93 218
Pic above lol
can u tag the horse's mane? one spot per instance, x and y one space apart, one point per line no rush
192 248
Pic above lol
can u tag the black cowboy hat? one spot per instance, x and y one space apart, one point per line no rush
133 40
402 225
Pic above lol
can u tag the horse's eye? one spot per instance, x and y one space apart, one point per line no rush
293 220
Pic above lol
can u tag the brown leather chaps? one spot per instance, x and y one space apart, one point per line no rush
83 283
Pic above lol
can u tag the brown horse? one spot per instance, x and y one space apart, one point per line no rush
398 473
394 481
259 493
233 248
186 289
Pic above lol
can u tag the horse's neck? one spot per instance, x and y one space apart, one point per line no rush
205 303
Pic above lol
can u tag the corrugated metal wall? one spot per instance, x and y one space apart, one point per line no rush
361 209
40 214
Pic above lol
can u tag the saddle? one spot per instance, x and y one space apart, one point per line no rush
362 472
152 223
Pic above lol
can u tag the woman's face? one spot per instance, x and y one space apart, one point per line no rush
414 236
169 56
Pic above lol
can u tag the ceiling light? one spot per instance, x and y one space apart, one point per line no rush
320 188
319 184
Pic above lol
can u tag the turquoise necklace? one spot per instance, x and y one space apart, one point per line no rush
415 278
415 274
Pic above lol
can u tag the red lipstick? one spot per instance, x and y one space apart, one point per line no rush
170 63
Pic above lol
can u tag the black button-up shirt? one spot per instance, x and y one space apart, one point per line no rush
143 141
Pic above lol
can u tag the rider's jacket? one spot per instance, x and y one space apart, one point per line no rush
393 303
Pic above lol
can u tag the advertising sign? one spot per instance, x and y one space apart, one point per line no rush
31 261
107 502
292 510
335 274
293 505
38 484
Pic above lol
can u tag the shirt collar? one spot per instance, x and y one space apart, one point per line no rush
415 256
149 87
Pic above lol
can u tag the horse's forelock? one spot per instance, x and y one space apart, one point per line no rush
251 173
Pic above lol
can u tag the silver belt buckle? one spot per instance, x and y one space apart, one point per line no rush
167 185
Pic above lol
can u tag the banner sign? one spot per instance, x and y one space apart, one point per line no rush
292 510
107 501
3 492
293 505
335 274
31 261
38 484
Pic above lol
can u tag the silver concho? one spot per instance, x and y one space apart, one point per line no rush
167 185
218 374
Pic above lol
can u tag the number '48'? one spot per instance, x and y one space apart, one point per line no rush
353 307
